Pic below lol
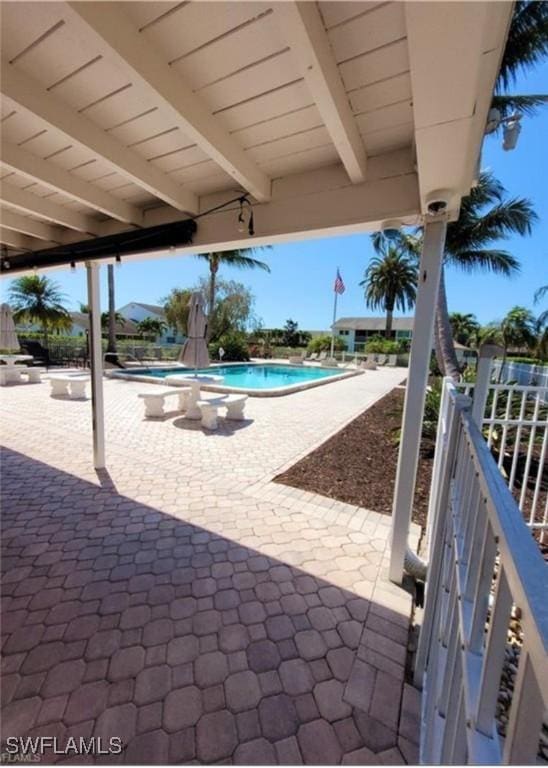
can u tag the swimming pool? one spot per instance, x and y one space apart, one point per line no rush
259 379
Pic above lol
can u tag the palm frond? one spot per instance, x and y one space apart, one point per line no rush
528 104
527 43
498 262
540 293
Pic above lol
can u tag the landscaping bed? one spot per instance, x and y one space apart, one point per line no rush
358 464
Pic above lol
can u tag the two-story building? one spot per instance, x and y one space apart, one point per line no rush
355 331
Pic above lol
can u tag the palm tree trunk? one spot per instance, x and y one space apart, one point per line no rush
445 350
388 328
213 267
111 346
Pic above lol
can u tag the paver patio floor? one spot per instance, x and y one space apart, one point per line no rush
183 602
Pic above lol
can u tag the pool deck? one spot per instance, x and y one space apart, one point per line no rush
183 601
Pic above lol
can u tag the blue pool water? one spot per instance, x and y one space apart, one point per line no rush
250 376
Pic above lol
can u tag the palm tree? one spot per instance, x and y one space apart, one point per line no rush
542 319
526 46
176 308
463 326
38 300
151 326
390 281
112 321
238 258
517 329
486 216
106 321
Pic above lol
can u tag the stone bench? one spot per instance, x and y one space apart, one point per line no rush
73 386
34 374
155 401
209 409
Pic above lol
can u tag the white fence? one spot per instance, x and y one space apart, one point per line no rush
521 373
477 537
515 422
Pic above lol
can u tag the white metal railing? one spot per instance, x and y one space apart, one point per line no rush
515 424
477 538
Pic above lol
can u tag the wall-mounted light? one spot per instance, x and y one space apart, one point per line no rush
118 260
6 264
511 127
73 266
246 209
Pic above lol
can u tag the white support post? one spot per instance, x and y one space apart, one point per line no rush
483 379
96 363
419 366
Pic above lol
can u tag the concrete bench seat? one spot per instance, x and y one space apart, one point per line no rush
34 374
155 401
209 409
73 386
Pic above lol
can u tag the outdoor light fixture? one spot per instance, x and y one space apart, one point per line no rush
73 266
391 229
118 260
242 214
511 127
6 264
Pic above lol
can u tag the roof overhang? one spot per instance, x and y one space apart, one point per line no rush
330 117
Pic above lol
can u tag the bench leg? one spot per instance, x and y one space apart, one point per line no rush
235 411
183 401
58 387
209 417
154 407
78 390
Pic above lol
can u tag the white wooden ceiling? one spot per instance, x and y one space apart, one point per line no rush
115 115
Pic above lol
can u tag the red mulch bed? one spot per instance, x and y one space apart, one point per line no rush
358 464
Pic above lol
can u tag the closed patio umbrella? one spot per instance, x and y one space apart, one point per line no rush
8 336
194 353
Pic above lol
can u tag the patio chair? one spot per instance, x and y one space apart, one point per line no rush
313 356
322 356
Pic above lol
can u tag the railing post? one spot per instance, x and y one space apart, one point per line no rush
419 366
437 511
483 379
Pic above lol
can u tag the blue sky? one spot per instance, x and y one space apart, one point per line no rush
302 274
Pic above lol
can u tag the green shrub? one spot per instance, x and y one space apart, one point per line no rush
323 344
234 345
378 345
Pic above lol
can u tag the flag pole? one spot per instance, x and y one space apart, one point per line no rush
334 318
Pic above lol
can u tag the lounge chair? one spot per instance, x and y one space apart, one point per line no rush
322 356
329 362
381 359
313 356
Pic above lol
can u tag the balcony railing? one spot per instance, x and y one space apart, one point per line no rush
483 562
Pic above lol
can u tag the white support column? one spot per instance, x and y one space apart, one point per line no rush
417 380
96 363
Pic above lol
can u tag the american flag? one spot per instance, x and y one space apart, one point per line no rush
339 285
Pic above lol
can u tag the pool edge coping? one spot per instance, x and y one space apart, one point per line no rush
275 392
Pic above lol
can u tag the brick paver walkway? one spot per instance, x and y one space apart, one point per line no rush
186 604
